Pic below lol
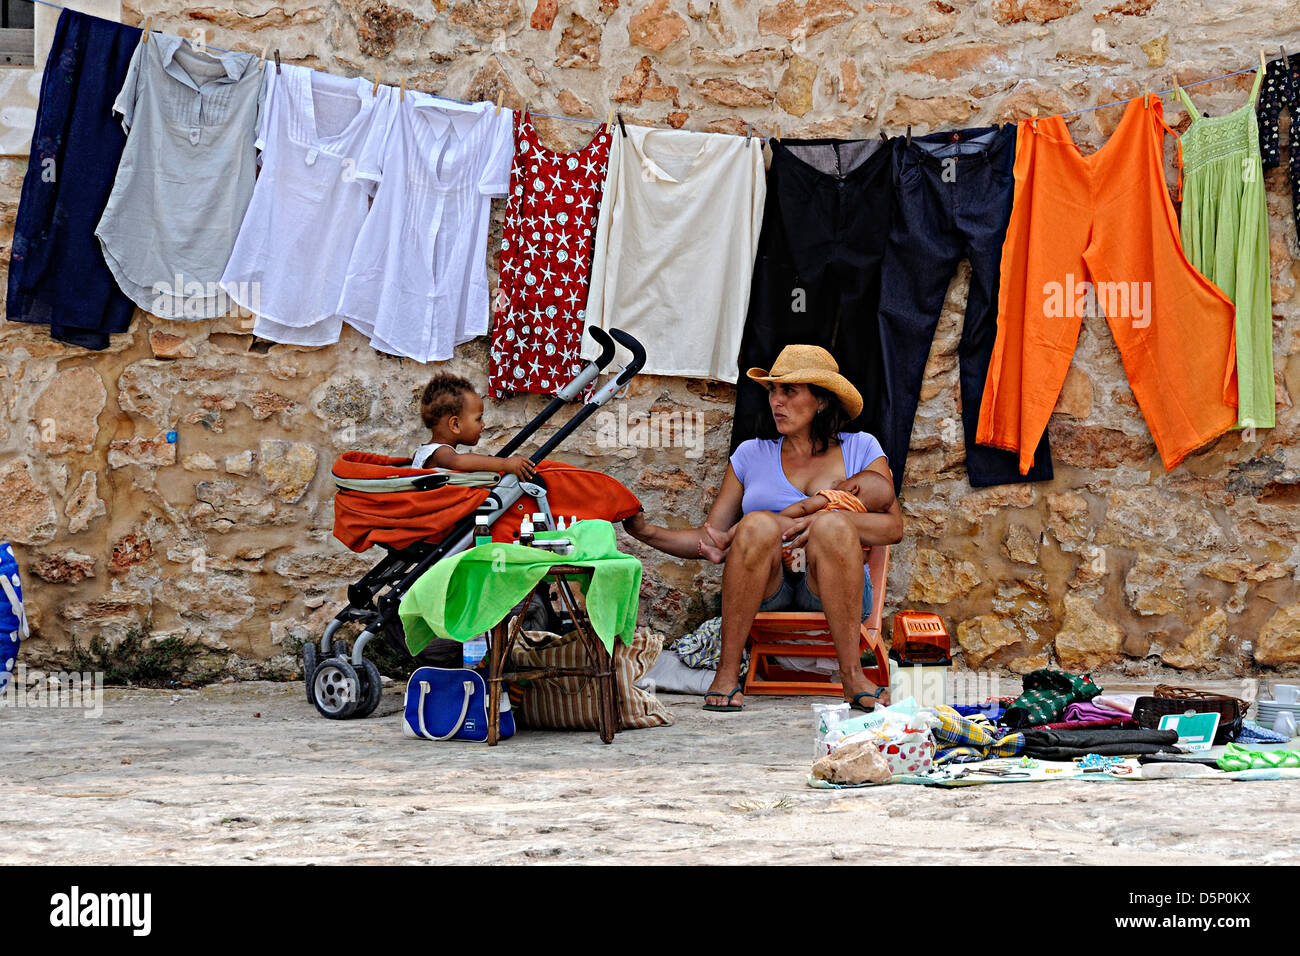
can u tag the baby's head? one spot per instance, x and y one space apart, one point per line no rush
452 410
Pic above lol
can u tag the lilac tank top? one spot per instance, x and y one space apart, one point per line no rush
757 464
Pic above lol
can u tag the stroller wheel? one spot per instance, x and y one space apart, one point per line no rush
310 658
372 688
336 688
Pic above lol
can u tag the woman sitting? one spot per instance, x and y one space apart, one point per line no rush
784 548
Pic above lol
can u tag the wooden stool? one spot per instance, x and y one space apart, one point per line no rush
600 666
773 633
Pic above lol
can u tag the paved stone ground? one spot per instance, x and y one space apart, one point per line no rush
237 773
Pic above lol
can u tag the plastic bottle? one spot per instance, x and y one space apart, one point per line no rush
559 523
526 532
482 530
474 651
539 521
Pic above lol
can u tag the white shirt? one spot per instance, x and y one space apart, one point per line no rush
425 452
320 139
417 283
185 178
675 246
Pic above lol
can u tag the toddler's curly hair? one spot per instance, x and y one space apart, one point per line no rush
443 396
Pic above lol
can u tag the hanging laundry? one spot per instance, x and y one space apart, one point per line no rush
186 175
953 195
1282 92
57 274
816 278
1225 235
675 245
546 250
1093 235
320 139
417 280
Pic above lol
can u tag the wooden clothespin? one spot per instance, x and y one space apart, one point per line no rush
778 132
609 122
262 59
749 133
1263 62
374 90
500 96
148 25
909 136
1033 119
1146 92
621 127
401 91
277 59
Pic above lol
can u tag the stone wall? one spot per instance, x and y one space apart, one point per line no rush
226 534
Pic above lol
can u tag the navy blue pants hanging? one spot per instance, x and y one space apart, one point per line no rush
817 272
57 275
953 196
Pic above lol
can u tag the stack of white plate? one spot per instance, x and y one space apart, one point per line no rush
1270 709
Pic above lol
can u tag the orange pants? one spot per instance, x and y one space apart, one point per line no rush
1096 235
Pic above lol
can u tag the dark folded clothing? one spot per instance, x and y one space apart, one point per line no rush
1108 742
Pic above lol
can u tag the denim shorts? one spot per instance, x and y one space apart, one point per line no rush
794 595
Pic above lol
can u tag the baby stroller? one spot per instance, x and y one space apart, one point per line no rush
420 516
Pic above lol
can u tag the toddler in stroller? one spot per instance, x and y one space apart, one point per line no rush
420 515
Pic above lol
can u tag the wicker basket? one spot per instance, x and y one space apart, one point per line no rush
1178 700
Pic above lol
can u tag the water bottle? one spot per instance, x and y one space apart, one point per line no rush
526 532
482 530
474 651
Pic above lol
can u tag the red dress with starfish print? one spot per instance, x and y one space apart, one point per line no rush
546 250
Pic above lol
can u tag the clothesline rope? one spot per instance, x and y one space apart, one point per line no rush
594 122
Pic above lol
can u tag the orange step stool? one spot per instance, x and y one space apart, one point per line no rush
775 632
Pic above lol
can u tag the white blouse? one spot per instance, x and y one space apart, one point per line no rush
320 138
417 282
675 247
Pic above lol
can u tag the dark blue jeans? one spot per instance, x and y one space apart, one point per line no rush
57 275
952 201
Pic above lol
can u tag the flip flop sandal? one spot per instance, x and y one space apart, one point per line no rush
728 707
873 694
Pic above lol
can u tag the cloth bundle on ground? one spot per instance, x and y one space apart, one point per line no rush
1068 744
968 739
1045 696
466 594
569 703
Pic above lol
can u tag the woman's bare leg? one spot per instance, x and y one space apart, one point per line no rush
835 575
752 573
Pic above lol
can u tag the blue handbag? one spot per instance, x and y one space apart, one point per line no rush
451 704
13 620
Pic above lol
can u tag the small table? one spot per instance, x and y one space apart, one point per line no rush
600 665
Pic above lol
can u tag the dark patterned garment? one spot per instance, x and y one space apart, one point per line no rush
1281 92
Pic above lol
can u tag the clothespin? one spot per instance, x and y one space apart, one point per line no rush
909 136
148 25
609 122
401 91
277 59
749 133
778 132
262 59
500 96
1033 119
621 126
1145 93
883 137
374 90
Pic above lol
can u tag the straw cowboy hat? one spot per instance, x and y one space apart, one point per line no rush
811 365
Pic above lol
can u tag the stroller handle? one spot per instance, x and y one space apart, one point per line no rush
606 344
633 346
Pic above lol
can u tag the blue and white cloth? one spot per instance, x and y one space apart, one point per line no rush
13 622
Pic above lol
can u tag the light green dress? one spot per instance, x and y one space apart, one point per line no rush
1225 236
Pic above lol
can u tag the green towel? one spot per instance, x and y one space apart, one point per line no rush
466 594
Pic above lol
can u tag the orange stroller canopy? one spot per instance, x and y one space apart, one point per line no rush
378 501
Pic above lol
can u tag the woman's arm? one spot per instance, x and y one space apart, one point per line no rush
685 542
874 486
